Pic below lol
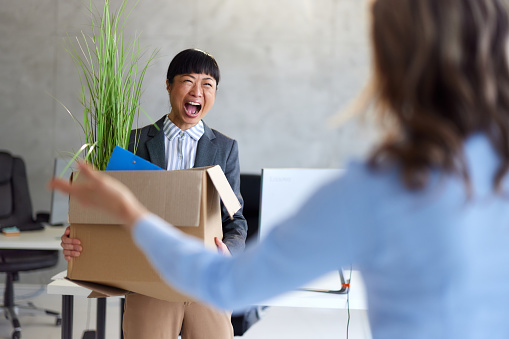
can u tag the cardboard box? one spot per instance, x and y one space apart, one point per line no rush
111 264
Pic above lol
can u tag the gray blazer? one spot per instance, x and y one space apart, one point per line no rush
214 148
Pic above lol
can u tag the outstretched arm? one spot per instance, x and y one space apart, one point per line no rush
286 258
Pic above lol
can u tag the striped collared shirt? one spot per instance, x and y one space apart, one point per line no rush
180 146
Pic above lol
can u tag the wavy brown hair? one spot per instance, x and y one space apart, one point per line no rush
441 73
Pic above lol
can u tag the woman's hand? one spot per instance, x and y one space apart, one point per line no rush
221 247
104 193
71 246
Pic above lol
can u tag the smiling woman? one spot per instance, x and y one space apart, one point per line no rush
181 140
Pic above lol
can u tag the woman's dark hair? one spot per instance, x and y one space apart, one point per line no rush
193 61
441 74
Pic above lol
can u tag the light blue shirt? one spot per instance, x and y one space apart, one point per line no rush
435 263
180 146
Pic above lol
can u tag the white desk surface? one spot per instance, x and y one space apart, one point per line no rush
310 299
62 286
46 239
356 299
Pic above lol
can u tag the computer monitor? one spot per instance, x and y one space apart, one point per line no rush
283 191
60 201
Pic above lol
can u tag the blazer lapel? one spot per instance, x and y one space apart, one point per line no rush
155 146
206 149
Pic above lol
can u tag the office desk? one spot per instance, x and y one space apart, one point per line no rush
68 289
356 300
45 239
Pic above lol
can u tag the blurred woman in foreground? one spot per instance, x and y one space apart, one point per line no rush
425 218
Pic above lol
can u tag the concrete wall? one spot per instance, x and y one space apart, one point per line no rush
287 66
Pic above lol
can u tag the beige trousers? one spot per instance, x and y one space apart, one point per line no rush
146 317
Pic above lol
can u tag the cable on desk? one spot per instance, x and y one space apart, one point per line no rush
348 302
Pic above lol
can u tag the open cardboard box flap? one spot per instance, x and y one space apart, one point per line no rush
224 189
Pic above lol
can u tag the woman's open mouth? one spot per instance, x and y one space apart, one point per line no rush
192 108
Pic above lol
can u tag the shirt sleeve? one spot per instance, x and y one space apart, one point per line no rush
312 242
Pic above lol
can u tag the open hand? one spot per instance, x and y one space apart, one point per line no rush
103 192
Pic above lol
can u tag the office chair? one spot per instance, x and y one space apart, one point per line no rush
250 185
16 210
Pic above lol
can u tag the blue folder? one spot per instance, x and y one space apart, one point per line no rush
123 160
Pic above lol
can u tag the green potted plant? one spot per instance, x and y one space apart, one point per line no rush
111 74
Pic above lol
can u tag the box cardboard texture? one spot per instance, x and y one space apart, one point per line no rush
111 264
